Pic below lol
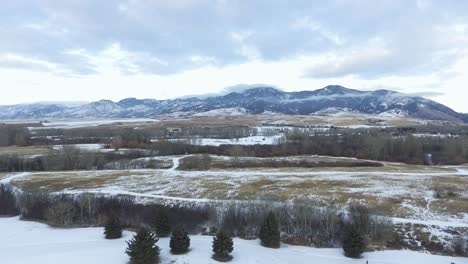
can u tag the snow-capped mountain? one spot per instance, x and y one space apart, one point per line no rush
257 100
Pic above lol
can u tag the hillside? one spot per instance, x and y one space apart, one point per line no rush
258 100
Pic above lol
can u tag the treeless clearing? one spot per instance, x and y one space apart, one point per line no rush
395 190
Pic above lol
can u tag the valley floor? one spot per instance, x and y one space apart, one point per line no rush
29 242
406 194
394 190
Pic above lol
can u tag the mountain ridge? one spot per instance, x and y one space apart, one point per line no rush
255 100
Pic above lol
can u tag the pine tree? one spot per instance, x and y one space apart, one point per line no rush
353 243
269 232
113 229
163 229
222 247
180 241
142 248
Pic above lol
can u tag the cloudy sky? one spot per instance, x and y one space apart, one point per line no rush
84 50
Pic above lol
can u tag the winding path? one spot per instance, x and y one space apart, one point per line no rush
175 163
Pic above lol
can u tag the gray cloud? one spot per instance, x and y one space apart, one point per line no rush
185 34
414 39
428 94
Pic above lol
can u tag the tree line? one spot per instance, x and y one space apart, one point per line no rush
11 134
69 158
389 144
407 149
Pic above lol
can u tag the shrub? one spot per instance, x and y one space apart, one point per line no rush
142 248
269 232
113 228
180 241
396 242
459 246
444 191
359 217
92 210
222 247
61 214
34 206
7 200
163 229
353 242
197 162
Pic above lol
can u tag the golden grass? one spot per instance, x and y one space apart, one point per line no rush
294 120
320 189
58 181
25 151
59 184
455 206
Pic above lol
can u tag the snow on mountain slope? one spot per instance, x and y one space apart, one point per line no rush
255 100
233 111
29 242
106 108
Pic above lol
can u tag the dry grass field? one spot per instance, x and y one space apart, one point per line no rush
351 120
396 190
288 120
25 151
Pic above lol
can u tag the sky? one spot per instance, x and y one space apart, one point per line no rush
86 50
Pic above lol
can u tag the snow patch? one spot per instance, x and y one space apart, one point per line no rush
235 111
252 140
80 123
86 147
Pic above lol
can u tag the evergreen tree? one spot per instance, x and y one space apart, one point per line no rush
222 247
180 241
142 248
269 232
163 229
113 229
353 243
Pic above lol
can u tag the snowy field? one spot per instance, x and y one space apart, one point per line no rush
234 117
80 123
85 147
404 193
395 190
252 140
29 242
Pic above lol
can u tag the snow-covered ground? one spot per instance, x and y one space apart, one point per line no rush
95 148
29 242
80 123
252 140
401 192
438 135
234 111
409 192
265 130
87 147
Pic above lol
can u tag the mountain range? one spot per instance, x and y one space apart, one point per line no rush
255 100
